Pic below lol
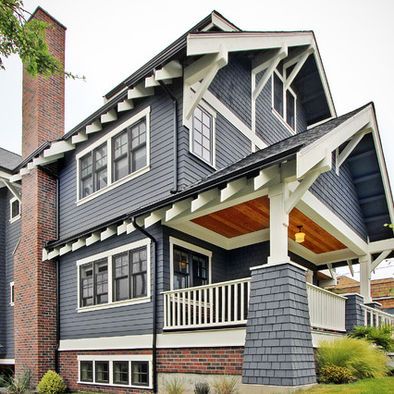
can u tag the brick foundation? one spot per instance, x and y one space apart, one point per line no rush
212 361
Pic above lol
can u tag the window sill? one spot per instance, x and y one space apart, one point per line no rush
142 387
136 301
280 118
13 220
212 166
113 185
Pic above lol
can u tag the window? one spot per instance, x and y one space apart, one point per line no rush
202 136
139 373
94 283
116 370
93 171
15 207
12 294
117 157
130 276
283 101
121 372
102 371
190 265
86 371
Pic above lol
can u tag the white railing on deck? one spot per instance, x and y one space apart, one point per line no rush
376 318
214 305
326 309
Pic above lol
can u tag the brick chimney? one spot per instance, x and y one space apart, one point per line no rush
35 280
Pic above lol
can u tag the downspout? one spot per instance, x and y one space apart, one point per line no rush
154 301
175 136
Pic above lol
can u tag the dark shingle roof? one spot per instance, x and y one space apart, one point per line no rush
9 160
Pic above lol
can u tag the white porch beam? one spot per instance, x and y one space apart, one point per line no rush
380 246
80 243
15 178
139 91
232 188
331 270
107 233
94 237
94 127
80 137
58 147
110 116
350 265
303 58
271 66
173 69
266 175
178 208
125 105
203 199
365 277
350 146
122 228
380 259
155 217
54 253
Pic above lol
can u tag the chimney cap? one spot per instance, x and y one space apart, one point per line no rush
39 8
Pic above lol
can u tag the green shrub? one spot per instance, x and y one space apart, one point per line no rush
335 374
202 388
51 383
20 384
362 358
380 336
226 386
174 386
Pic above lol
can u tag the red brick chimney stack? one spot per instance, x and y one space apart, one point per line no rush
35 280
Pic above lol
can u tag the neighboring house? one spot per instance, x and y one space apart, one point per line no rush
158 236
382 290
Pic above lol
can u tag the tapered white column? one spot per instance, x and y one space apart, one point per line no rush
365 277
279 223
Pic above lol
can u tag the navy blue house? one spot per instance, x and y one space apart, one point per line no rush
199 214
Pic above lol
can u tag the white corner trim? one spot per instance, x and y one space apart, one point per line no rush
107 343
17 217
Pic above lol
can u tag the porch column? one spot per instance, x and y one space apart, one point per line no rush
365 277
354 314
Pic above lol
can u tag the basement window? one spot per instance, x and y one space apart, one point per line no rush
283 101
15 209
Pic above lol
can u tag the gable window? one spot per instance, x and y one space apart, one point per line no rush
12 294
128 282
190 265
283 101
119 156
15 209
202 135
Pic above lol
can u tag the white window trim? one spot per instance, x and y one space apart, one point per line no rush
12 299
111 359
108 255
17 217
145 113
193 248
211 112
283 118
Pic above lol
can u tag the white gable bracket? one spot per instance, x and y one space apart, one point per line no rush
13 189
379 259
350 265
298 66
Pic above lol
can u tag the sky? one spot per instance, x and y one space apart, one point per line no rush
108 40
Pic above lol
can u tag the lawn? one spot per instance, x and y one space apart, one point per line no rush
364 386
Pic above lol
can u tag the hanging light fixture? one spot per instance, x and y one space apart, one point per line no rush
300 235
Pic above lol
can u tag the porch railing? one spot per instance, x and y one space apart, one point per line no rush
376 318
326 309
214 305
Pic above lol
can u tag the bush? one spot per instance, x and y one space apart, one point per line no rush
51 383
335 374
380 336
20 384
174 386
359 356
202 388
226 386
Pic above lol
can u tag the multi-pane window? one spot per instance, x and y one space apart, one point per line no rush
139 373
130 274
202 135
94 283
101 371
190 268
283 100
86 371
129 150
15 207
93 171
121 372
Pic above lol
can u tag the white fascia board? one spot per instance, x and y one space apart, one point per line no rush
200 44
380 246
309 156
221 23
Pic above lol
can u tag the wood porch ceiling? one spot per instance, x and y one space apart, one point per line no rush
253 216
